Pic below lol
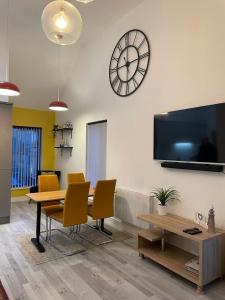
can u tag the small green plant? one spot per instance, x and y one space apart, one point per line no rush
164 195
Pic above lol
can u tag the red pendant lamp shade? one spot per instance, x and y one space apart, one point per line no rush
58 106
8 89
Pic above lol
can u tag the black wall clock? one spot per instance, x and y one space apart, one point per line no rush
129 63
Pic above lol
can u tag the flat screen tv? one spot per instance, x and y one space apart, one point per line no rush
191 135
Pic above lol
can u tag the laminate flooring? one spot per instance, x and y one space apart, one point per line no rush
110 272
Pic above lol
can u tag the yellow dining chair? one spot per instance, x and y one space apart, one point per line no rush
74 212
75 178
48 183
103 203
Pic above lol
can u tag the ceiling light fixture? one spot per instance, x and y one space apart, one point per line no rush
85 1
58 105
7 88
61 22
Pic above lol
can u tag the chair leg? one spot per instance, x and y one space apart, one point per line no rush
103 229
50 229
71 230
97 227
71 236
46 227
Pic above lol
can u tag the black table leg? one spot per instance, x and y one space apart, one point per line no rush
36 241
103 229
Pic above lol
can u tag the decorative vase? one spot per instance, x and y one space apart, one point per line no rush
162 210
211 221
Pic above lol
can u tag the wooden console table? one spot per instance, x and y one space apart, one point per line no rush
152 243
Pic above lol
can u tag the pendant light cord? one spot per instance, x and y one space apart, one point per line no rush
7 42
59 69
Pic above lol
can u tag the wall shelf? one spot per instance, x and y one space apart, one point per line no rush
65 148
63 130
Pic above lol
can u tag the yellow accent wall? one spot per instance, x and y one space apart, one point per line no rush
45 120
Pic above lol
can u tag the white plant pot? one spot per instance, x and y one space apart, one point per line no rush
162 210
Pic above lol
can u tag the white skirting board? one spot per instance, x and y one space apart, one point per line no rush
129 204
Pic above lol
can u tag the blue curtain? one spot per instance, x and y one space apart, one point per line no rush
26 156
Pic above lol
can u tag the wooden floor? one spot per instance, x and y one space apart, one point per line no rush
113 271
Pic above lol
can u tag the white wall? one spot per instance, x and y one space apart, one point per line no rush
187 69
3 47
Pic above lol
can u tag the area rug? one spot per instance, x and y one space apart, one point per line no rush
97 237
65 244
3 295
59 247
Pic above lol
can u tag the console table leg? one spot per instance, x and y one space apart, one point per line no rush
200 289
163 240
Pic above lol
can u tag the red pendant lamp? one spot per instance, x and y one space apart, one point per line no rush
8 88
58 105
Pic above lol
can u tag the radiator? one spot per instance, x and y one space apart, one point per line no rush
129 204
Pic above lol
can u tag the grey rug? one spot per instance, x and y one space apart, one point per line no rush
59 247
97 237
68 245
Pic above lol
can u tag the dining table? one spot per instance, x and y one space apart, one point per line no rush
42 197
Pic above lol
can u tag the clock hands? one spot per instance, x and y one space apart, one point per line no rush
130 62
127 64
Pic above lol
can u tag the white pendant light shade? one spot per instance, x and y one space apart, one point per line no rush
85 1
61 22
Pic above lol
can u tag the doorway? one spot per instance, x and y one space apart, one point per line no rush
96 151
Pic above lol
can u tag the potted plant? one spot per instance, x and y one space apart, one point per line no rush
164 195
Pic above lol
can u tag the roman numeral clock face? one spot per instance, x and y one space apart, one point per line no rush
129 63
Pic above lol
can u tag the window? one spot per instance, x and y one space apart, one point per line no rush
26 156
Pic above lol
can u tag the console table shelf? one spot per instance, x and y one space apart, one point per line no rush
210 248
172 258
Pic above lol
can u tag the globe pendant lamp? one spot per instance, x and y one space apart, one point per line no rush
7 88
61 22
85 1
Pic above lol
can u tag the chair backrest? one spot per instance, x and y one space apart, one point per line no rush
103 201
76 204
47 183
49 172
75 178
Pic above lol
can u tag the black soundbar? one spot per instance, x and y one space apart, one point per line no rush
191 166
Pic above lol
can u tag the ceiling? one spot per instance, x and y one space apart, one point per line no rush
34 60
